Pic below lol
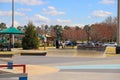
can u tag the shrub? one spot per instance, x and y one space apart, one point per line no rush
30 40
17 45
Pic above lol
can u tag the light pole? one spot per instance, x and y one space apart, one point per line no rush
12 36
12 13
13 22
118 28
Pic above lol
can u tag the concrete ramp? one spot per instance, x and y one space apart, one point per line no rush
74 53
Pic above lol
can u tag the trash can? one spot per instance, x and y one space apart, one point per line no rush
117 49
23 78
10 65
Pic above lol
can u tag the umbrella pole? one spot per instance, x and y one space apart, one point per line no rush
13 40
9 46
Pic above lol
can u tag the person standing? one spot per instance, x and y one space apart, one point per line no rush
63 44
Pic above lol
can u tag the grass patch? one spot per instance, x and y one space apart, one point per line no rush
42 48
10 52
109 55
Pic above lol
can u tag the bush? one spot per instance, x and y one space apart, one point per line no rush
17 45
31 40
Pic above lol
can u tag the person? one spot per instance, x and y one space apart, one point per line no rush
57 44
48 43
63 44
8 45
93 44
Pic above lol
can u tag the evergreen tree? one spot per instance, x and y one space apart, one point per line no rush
2 26
58 31
30 41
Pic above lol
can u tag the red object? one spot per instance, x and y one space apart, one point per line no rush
17 65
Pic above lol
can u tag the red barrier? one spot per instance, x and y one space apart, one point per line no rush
15 65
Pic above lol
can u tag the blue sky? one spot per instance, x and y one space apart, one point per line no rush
62 12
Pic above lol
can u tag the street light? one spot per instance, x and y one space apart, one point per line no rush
12 13
12 22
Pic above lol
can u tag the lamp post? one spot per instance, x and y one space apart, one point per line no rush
12 36
13 22
118 28
12 13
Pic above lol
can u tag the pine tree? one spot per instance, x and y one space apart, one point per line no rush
30 41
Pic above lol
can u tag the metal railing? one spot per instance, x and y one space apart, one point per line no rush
17 65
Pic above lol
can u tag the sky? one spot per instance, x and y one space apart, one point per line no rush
53 12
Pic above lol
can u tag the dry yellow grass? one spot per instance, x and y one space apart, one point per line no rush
7 52
111 50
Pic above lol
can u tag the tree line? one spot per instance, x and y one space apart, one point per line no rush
105 31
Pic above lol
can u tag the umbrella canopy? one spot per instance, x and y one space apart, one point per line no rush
11 30
41 36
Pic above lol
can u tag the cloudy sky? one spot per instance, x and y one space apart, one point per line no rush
62 12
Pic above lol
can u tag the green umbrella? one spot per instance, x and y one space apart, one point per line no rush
11 30
41 36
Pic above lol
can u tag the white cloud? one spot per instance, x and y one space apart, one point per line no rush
24 9
9 13
80 25
41 18
5 0
52 11
63 21
37 19
26 2
19 14
107 1
101 13
30 2
16 24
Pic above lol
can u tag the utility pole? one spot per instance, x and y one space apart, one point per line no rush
118 28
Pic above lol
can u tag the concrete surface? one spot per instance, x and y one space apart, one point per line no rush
53 60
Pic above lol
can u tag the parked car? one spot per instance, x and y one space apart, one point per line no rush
98 44
110 44
81 44
68 43
85 45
